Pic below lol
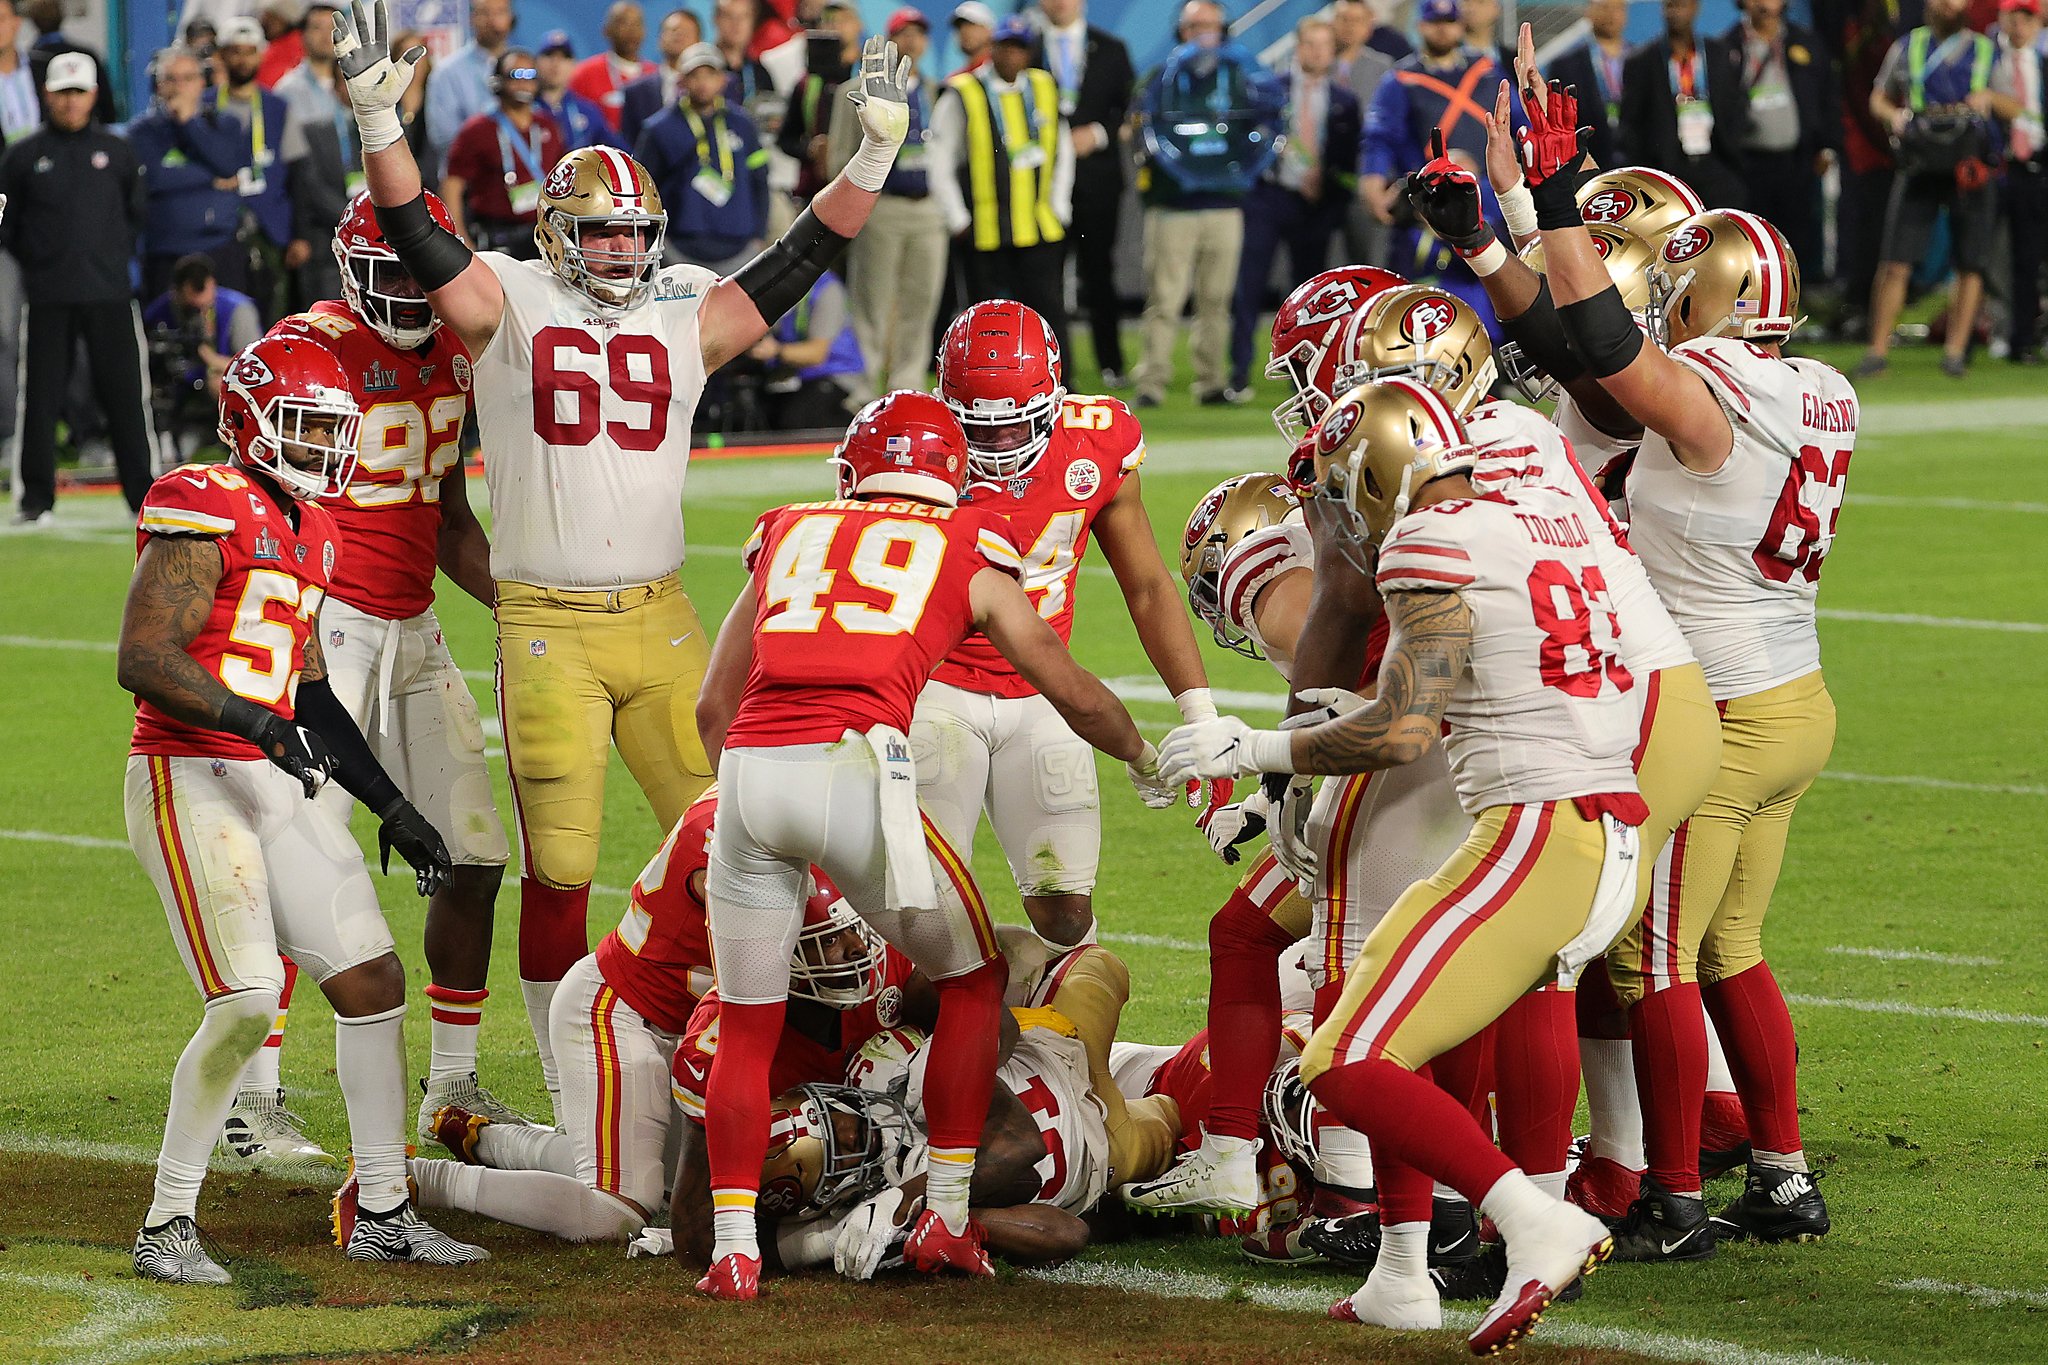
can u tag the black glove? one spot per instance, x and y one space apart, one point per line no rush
1445 196
1402 209
291 747
418 842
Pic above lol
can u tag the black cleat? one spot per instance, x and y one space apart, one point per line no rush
1720 1161
1662 1226
1353 1240
1453 1232
1777 1205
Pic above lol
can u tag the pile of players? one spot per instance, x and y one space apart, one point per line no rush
1561 675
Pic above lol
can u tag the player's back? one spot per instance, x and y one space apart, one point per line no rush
1538 713
659 958
855 602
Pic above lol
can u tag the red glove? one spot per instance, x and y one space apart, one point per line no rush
1552 147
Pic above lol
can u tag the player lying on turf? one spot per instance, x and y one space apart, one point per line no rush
236 730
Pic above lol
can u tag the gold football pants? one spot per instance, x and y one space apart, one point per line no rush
578 671
1091 988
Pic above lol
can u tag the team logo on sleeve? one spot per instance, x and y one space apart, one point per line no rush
1608 206
1688 242
459 367
1083 478
1427 320
889 1006
327 558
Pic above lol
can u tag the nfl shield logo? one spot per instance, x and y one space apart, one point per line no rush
334 639
220 768
538 648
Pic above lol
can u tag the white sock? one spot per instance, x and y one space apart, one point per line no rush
1223 1147
539 995
806 1242
1719 1078
202 1091
733 1228
1784 1161
1439 1190
262 1075
456 1017
369 1062
1616 1110
509 1147
1404 1251
949 1171
1514 1204
1550 1182
558 1205
1343 1157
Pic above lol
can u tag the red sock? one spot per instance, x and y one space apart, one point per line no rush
1465 1073
736 1093
1763 1055
1411 1123
1599 1009
1325 1003
962 1071
1245 947
553 935
1723 1125
1536 1079
1671 1076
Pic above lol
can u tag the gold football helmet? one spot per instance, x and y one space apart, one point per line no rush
1629 260
1424 333
1378 445
1726 273
599 188
1647 202
1227 514
831 1145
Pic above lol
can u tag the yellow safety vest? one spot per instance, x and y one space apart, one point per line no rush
1012 204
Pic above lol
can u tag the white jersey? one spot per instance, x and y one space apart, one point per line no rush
1543 710
585 415
1048 1072
1517 447
1598 452
1736 554
1255 561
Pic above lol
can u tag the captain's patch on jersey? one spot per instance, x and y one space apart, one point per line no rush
1083 478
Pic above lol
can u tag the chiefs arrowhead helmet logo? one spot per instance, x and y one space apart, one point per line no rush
1427 320
250 371
1608 206
1688 242
1337 299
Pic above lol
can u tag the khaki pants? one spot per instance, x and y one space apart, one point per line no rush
1090 987
895 269
1188 251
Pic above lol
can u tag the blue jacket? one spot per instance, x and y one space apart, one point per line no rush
583 124
273 207
180 163
1414 99
639 101
844 357
674 146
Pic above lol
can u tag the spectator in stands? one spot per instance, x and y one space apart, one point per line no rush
1357 25
582 121
75 204
215 321
1866 36
2025 195
192 161
499 159
807 126
324 178
1793 127
21 113
1299 202
1939 88
281 21
1594 70
1482 31
733 25
789 60
1683 110
308 88
272 141
813 361
659 89
897 264
1002 162
461 89
602 79
707 160
1361 63
1092 68
974 25
51 42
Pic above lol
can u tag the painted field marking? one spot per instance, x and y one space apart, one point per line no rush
1178 945
1893 618
1914 955
1940 783
1981 1294
1920 1011
1946 504
43 836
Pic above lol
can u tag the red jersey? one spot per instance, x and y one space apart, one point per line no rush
491 162
854 604
659 958
272 581
413 403
603 79
1050 508
799 1058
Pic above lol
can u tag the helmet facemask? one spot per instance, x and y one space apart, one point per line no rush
857 1141
846 981
580 266
1206 602
383 293
1292 1113
1004 440
287 422
1297 415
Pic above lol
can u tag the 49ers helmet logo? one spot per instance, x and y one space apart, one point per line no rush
1205 516
561 181
1337 427
1601 245
1427 320
1608 206
1333 301
1687 243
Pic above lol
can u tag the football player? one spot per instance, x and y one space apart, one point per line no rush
1733 499
1540 735
589 364
405 513
849 606
236 730
1058 468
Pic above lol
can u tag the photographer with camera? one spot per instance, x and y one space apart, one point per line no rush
1938 92
196 326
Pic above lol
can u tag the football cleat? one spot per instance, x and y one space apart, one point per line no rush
1453 1232
174 1254
1603 1187
1204 1179
1541 1264
1777 1205
1282 1244
457 1130
735 1277
933 1247
1403 1305
262 1135
463 1092
401 1235
1662 1226
1353 1240
343 1210
1485 1275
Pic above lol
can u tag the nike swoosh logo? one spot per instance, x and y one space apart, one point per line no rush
680 638
196 480
1670 1247
1448 1247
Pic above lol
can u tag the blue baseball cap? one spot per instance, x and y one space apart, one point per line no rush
556 41
1015 29
1439 12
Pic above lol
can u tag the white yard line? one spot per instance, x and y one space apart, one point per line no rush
1939 783
1983 1295
43 836
1179 945
1914 955
1895 618
1920 1011
1946 504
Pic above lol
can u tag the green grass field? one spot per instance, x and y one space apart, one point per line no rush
1908 926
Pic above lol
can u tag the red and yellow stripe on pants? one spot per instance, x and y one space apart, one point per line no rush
1275 893
193 930
1337 907
1464 943
606 1132
981 930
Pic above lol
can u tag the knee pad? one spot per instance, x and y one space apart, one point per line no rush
237 1025
682 706
545 739
560 860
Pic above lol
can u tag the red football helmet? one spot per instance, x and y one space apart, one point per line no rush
905 443
999 371
843 972
1305 332
275 399
380 290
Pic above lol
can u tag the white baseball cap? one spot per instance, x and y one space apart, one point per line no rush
974 12
242 32
71 71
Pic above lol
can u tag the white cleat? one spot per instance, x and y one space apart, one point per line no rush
401 1236
1402 1303
464 1093
1544 1257
262 1135
174 1254
1212 1178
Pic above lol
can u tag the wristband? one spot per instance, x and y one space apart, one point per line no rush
244 718
1270 751
377 129
1518 210
868 168
1195 704
1489 259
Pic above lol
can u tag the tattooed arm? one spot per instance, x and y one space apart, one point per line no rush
168 603
1431 642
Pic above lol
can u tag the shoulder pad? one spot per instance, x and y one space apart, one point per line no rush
194 500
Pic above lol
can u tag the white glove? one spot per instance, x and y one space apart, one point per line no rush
880 91
871 1233
1287 834
1330 703
1223 747
1156 792
652 1242
362 52
1234 824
